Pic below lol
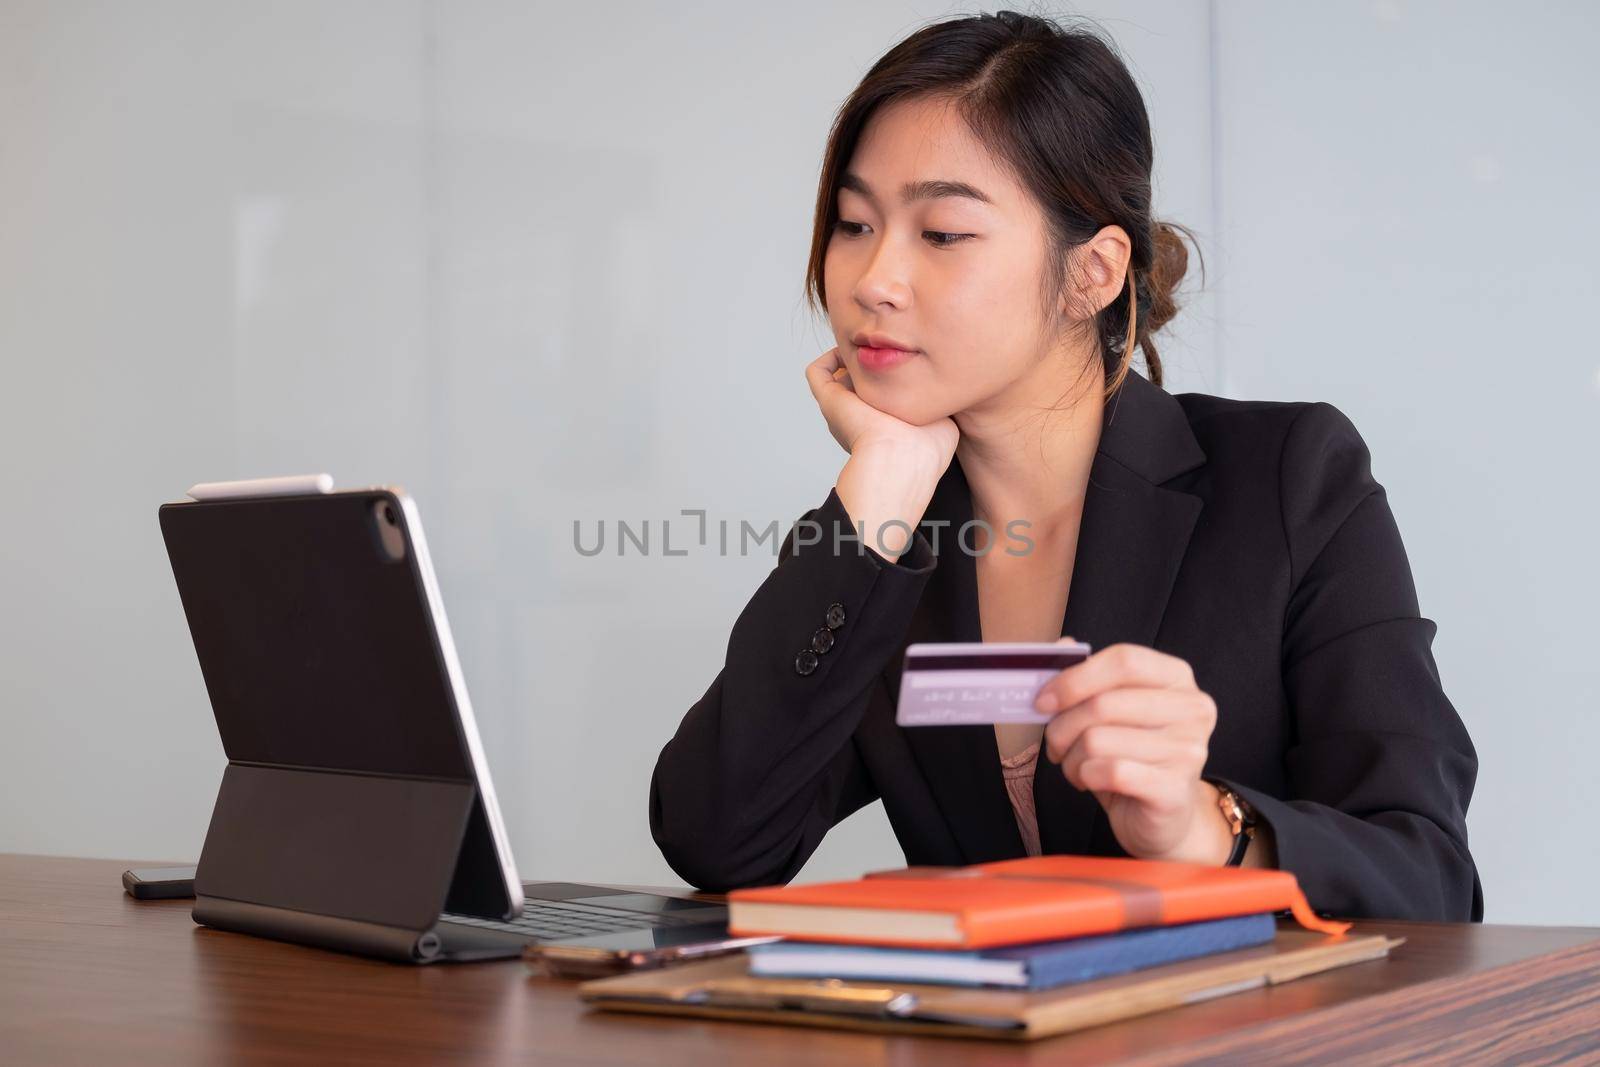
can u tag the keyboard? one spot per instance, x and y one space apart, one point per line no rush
557 920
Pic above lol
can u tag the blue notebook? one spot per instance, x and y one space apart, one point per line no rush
1040 965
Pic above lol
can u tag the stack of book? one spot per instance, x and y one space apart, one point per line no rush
1033 923
1019 949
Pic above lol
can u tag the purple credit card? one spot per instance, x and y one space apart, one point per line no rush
967 683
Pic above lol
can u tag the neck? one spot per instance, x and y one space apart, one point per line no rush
1023 460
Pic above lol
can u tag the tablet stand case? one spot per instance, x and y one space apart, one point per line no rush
350 814
352 862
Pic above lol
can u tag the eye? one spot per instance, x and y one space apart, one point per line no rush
843 226
945 240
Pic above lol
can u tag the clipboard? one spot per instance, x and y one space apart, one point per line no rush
724 989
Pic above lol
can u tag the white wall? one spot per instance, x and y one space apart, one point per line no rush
539 263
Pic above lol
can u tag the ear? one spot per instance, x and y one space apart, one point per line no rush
1101 269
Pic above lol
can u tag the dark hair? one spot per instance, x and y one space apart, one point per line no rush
1058 106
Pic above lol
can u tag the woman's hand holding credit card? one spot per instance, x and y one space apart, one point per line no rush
1127 723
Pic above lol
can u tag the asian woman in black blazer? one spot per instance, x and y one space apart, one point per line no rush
1262 690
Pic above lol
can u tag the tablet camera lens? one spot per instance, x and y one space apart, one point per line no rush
386 525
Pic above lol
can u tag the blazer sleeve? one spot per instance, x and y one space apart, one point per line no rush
765 762
1380 769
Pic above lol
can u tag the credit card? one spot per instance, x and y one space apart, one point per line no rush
964 683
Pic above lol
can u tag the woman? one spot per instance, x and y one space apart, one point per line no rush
1262 690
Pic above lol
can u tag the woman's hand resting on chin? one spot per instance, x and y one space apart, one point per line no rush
893 466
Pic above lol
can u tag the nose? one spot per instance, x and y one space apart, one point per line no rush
886 279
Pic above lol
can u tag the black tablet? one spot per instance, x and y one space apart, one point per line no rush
356 788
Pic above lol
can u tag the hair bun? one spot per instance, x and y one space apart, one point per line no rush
1169 262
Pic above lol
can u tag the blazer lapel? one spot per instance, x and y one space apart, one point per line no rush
1131 542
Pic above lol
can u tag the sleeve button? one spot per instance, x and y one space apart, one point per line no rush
805 662
822 640
835 616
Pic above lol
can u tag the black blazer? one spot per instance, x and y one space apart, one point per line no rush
1247 537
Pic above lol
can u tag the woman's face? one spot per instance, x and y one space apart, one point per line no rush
953 271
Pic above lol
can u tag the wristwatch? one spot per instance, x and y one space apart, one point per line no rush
1241 817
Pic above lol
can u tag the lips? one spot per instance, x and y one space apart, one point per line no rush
877 351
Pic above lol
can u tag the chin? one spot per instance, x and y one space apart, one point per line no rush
913 410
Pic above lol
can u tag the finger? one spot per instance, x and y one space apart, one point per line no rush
1184 756
1186 713
1113 667
820 371
1149 785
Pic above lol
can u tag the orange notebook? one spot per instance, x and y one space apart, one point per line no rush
1040 898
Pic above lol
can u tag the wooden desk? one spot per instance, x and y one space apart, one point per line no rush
88 975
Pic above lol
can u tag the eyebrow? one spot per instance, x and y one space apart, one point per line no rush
923 190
